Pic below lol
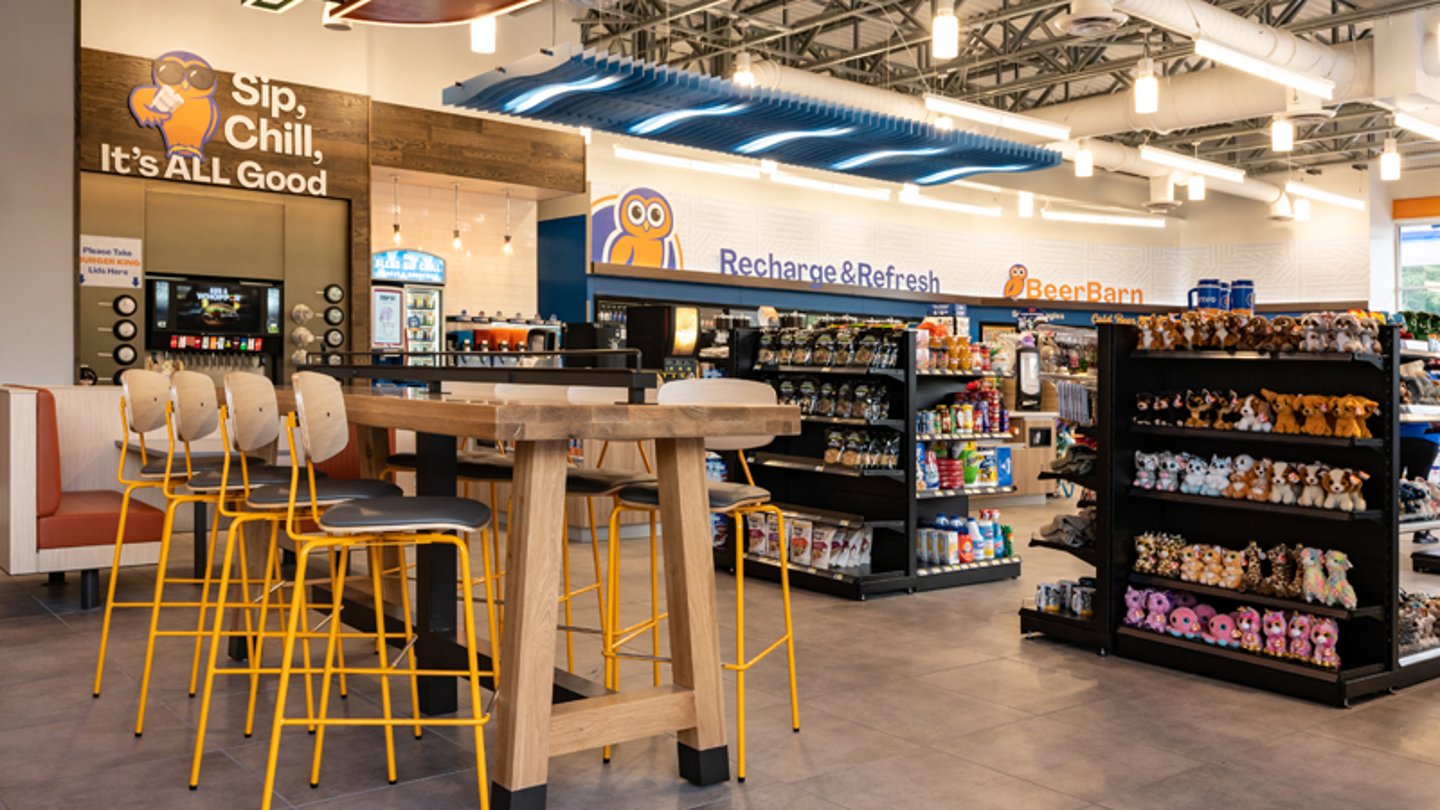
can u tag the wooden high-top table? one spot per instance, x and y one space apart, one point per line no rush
530 728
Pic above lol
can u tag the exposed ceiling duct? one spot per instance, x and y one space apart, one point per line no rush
1090 18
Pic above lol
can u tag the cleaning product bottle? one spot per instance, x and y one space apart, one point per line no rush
987 529
977 538
965 541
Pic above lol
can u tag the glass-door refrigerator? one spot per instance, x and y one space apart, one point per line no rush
424 324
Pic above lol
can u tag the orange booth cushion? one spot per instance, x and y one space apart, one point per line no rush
91 517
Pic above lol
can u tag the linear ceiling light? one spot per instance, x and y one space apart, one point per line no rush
787 179
950 175
1176 160
1320 195
1419 126
529 100
748 172
910 195
775 139
990 116
1101 219
857 161
1314 85
665 120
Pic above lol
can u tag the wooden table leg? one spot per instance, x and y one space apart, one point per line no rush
690 595
436 567
527 658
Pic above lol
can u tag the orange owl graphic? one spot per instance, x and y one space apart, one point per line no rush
180 103
1015 285
646 222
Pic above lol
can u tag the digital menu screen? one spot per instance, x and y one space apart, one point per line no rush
214 307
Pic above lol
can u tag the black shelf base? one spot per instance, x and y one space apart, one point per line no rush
1064 627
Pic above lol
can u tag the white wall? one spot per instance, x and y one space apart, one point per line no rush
37 192
479 276
401 66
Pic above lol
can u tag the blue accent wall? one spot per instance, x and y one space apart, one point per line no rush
561 268
725 295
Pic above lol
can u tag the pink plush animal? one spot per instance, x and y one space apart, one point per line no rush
1157 606
1300 645
1134 607
1274 626
1220 630
1203 613
1324 637
1247 624
1184 623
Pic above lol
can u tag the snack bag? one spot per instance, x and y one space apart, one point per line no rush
840 548
756 530
772 537
865 537
800 535
822 540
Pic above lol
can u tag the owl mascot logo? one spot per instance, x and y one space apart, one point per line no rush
180 103
1015 284
637 230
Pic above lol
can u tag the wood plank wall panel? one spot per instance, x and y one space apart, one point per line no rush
466 146
341 124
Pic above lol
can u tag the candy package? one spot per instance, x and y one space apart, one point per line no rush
800 537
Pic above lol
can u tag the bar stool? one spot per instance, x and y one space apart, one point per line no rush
373 524
251 417
733 500
191 414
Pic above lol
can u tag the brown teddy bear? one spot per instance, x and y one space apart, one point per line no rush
1350 414
1256 334
1284 405
1316 410
1284 335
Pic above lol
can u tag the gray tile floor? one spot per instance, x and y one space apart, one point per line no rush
930 700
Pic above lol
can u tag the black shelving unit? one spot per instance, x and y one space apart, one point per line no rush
1369 654
887 501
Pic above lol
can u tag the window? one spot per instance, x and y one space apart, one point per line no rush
1418 287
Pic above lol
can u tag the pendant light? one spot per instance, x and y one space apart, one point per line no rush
744 75
1195 189
944 33
1390 161
509 248
483 31
455 243
1301 207
1084 160
1147 88
1282 135
395 210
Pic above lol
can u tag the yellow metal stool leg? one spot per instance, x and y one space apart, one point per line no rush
204 595
286 665
654 599
410 641
612 623
740 660
565 600
332 640
166 533
491 621
274 578
378 590
595 555
209 692
476 707
110 590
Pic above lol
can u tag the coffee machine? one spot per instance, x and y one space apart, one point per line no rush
667 337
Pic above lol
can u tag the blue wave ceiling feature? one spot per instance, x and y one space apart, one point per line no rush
620 95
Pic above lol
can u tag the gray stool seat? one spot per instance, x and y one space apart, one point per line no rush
199 462
480 465
259 475
723 496
328 491
401 514
602 482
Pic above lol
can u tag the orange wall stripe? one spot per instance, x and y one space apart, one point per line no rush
1415 208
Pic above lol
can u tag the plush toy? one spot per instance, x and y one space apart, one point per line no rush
1256 334
1134 607
1196 475
1260 487
1284 406
1350 415
1169 333
1149 338
1345 332
1184 623
1143 401
1370 334
1342 489
1312 577
1247 627
1157 611
1195 330
1199 404
1299 631
1226 333
1241 477
1284 483
1254 415
1147 465
1316 410
1172 550
1337 590
1167 478
1214 561
1281 580
1192 563
1146 551
1250 579
1274 627
1232 569
1312 485
1315 332
1220 631
1285 335
1185 599
1226 413
1217 478
1323 637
